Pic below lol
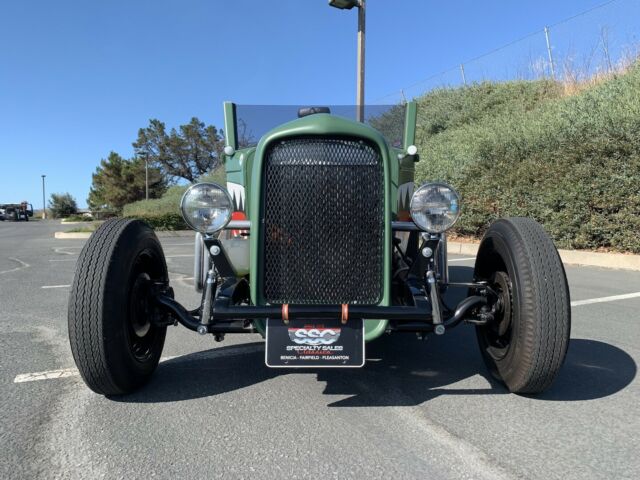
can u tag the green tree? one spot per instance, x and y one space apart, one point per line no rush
119 181
62 205
189 152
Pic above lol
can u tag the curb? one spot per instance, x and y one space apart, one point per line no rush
569 257
71 235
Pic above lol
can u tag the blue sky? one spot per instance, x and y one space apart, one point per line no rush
78 78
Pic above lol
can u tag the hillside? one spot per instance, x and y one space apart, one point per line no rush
528 149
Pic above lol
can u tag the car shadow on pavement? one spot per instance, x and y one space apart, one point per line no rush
410 372
204 374
400 370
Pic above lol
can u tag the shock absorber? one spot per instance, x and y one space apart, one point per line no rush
436 310
205 319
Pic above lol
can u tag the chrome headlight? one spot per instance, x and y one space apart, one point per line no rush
435 207
206 207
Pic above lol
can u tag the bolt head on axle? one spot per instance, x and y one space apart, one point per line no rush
439 329
202 329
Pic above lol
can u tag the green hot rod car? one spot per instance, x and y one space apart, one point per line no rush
320 243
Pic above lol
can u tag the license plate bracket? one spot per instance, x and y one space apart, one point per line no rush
314 343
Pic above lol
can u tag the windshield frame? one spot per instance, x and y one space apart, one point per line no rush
246 124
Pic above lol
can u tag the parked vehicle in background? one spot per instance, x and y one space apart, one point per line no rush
16 211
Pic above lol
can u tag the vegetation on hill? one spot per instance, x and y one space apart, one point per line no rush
572 162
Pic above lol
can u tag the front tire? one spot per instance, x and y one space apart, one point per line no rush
525 345
114 340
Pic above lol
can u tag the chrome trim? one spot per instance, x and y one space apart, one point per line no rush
238 225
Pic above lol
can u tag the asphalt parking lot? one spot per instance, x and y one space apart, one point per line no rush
213 410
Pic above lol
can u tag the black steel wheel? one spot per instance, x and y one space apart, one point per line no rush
526 343
115 340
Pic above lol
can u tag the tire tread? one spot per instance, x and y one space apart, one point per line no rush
86 307
545 313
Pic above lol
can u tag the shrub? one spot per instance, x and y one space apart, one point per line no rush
164 213
62 205
167 221
78 218
160 213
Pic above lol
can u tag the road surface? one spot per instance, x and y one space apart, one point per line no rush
213 410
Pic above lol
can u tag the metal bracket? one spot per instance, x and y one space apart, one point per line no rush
220 259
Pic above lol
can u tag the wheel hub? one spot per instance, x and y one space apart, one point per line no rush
502 285
140 296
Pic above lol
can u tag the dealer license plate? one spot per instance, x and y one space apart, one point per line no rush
311 343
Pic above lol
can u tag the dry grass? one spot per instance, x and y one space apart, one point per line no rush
574 82
579 75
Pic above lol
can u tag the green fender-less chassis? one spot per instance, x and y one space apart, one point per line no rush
321 244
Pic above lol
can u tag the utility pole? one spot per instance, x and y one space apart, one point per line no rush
464 78
360 80
348 5
44 205
553 69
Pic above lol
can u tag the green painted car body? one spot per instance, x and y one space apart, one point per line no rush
244 171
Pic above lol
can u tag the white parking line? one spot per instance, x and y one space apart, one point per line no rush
55 286
48 375
460 259
22 265
73 372
612 298
61 250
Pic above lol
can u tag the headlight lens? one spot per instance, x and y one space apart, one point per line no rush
206 207
435 207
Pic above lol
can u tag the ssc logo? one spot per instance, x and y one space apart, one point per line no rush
314 336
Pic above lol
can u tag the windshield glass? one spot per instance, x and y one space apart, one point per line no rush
253 121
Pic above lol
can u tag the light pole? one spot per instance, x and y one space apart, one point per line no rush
348 5
145 156
44 206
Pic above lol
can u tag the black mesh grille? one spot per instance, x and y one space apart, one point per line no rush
323 217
